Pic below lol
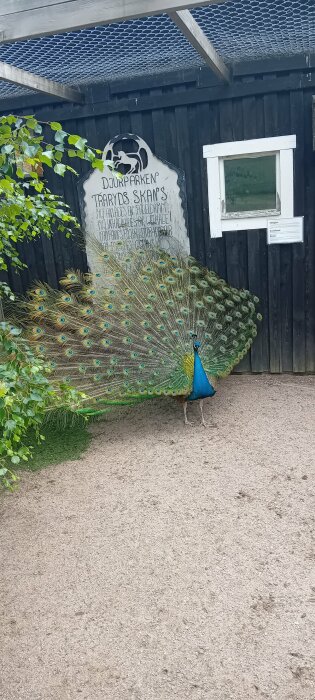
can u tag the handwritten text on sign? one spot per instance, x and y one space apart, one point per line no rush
146 206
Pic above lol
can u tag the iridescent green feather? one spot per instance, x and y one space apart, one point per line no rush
125 332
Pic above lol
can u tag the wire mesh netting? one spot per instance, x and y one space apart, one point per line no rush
239 29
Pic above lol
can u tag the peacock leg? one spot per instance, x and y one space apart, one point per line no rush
186 421
201 412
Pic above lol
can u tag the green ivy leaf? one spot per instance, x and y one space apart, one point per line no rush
72 139
80 144
31 123
60 168
6 185
55 126
7 149
60 135
98 163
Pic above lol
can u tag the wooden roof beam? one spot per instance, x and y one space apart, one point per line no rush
196 36
25 19
36 82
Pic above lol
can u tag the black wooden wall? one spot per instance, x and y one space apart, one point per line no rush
177 114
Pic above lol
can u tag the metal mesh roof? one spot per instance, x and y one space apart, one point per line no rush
239 29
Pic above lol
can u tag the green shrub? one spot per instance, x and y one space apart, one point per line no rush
25 395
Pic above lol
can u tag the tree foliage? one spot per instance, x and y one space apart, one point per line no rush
25 395
29 209
27 206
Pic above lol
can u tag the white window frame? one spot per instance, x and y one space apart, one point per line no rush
280 146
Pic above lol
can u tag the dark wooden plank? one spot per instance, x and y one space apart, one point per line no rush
204 118
272 129
253 127
298 249
275 65
201 76
236 241
192 96
197 234
183 143
309 229
74 253
214 247
258 284
286 301
136 121
126 85
159 123
49 262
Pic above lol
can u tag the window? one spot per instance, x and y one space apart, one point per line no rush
249 182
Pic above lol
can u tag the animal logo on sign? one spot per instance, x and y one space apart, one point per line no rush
128 154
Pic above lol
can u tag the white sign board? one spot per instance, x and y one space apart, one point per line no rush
285 230
146 206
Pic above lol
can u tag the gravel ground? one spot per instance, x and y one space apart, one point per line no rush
169 562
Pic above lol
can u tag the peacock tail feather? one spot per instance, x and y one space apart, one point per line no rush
125 331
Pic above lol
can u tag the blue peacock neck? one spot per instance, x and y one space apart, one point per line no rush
201 387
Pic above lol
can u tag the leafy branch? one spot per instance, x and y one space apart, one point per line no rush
25 395
28 208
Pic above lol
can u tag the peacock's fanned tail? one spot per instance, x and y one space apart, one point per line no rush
125 332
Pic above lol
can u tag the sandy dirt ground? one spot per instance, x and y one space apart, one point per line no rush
169 562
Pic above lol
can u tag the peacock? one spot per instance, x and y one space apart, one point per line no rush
145 323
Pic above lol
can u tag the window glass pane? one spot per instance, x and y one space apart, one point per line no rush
250 184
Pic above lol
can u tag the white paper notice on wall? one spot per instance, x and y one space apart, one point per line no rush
285 230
